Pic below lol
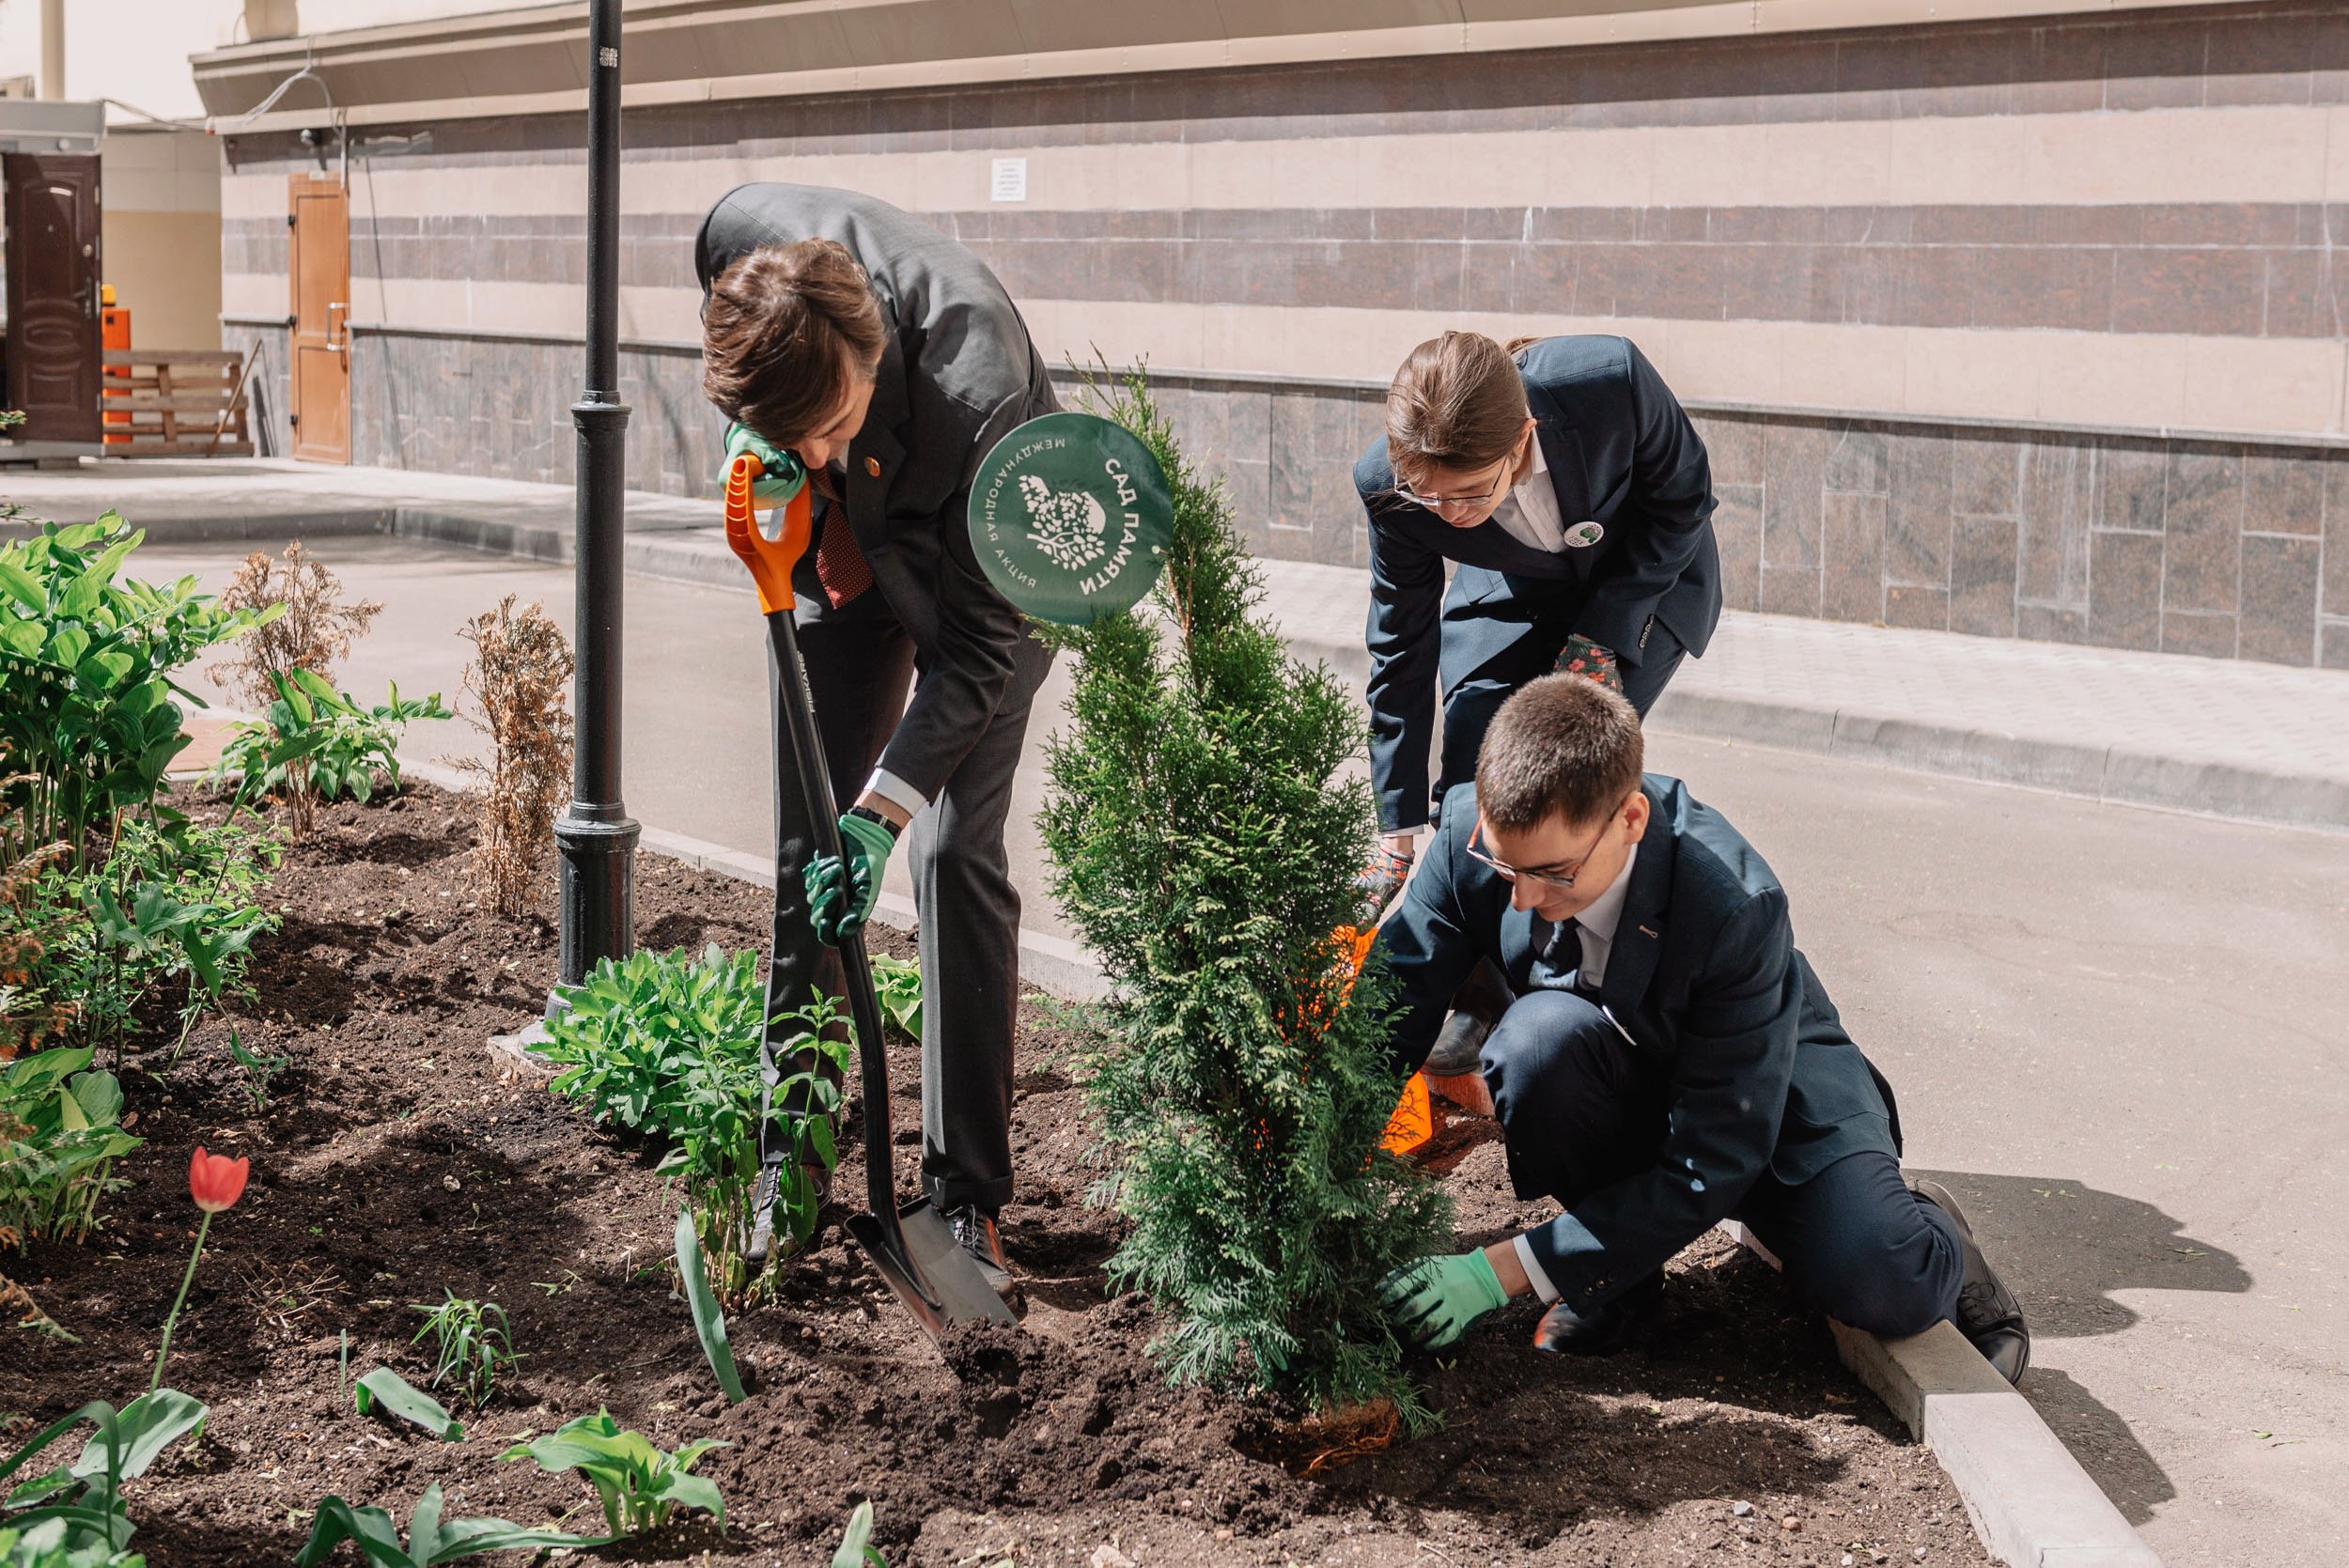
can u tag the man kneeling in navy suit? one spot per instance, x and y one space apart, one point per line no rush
1669 1060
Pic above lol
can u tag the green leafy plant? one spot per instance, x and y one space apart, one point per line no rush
1202 839
856 1543
53 1544
386 1391
317 744
709 1320
175 901
60 1133
472 1343
84 1499
87 661
665 1044
898 985
431 1538
258 1070
639 1484
30 1013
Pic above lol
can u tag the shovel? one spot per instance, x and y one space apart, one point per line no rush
911 1245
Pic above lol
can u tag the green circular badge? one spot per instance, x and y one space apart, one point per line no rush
1070 517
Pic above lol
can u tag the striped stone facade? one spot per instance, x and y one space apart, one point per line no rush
2015 328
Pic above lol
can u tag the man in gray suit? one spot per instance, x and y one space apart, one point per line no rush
890 361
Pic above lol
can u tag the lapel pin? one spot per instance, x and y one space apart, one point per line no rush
1583 534
872 467
1646 931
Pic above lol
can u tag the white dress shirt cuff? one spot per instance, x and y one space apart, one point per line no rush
897 792
1534 1272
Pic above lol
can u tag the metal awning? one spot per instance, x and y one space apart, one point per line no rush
45 125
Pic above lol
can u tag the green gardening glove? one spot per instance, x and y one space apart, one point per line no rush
1591 660
1435 1300
838 905
781 474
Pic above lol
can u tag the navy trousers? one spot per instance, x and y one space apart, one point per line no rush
1582 1108
1469 707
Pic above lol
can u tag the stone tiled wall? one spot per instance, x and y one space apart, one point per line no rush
1992 248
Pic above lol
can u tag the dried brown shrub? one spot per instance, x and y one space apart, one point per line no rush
315 633
520 676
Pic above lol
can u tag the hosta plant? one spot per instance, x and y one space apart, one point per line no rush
87 664
639 1484
431 1538
60 1133
665 1044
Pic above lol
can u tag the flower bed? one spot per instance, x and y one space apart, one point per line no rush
395 1160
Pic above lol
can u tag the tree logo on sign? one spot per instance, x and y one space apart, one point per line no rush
1067 526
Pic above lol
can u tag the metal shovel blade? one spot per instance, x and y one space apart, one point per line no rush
960 1291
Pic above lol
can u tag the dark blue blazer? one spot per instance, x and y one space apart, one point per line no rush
1706 978
1621 453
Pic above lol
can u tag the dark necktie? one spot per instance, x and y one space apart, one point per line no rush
1563 953
840 566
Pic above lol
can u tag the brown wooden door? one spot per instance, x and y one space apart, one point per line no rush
320 265
52 212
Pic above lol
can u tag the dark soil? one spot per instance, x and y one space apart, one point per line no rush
397 1157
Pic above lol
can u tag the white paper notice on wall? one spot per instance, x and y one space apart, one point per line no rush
1011 179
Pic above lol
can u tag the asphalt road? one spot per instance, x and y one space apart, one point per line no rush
2117 1032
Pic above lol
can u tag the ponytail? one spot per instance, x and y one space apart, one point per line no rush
1457 402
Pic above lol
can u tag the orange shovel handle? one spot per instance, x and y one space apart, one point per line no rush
771 560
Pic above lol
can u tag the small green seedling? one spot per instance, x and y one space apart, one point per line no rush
386 1391
897 985
639 1484
472 1343
856 1546
258 1070
430 1540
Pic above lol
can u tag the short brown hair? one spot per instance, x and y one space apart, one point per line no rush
1564 745
783 330
1457 402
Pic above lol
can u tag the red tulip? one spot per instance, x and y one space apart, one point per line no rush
215 1181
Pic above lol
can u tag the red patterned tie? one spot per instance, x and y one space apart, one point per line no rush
840 566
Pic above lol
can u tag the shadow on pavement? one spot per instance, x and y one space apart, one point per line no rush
2102 1442
2068 1249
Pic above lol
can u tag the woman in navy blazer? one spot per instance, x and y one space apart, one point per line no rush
1563 478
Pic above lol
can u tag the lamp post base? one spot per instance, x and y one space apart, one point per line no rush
599 905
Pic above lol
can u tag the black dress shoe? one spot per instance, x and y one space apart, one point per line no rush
976 1233
1564 1332
1987 1314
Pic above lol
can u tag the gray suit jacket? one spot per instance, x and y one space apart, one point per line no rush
958 374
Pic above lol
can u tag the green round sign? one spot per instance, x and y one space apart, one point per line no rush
1070 517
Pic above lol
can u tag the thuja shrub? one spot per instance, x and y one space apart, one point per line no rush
1203 845
520 679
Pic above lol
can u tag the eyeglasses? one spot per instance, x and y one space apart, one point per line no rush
1561 879
1438 502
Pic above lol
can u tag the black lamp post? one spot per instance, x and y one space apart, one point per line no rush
596 837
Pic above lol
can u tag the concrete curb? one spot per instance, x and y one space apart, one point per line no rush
2030 1503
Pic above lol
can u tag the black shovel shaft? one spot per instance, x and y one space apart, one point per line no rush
798 715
